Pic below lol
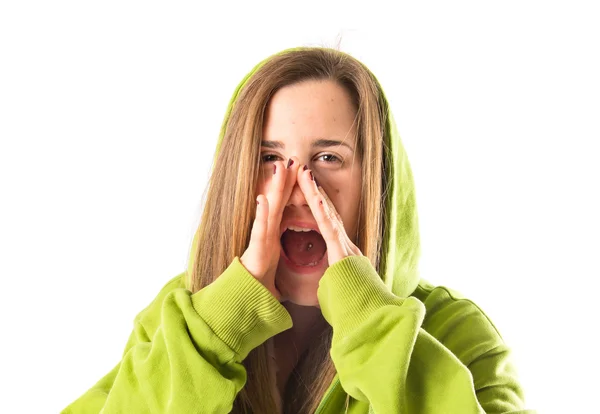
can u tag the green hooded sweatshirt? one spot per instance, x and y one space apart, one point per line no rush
400 344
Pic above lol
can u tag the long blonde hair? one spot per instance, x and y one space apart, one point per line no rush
229 203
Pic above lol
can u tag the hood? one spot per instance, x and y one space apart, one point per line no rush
401 244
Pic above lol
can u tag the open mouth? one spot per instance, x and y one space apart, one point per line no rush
303 247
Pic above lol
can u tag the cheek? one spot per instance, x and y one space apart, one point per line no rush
263 181
346 203
260 186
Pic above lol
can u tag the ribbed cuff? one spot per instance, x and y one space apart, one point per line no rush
350 291
240 310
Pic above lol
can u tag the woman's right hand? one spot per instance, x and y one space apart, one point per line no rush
264 249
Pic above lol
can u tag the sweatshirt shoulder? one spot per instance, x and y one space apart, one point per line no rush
458 322
152 310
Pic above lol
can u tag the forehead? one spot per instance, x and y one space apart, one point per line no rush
310 110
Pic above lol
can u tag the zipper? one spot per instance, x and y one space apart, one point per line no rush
327 396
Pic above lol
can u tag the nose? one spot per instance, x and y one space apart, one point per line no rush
297 198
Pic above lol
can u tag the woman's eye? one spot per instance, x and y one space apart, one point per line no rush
268 157
329 158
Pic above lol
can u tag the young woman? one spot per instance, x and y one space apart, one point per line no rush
302 292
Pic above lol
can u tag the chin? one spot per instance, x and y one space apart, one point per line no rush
299 289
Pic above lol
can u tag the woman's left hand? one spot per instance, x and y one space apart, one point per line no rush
329 221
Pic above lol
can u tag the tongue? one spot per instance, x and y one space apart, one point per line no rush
303 248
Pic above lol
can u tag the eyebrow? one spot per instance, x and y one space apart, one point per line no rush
319 143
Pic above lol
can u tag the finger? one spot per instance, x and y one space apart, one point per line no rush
353 248
332 215
258 236
292 168
330 205
276 185
321 211
330 210
275 195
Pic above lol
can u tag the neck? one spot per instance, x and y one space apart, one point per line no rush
308 323
306 320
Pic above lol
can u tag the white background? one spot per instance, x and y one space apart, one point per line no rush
109 113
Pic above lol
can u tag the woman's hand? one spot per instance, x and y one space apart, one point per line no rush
264 249
329 221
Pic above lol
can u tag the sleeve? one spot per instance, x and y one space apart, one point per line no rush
193 361
385 358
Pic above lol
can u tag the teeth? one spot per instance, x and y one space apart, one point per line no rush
300 229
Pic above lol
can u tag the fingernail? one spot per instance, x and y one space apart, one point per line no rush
274 168
290 162
305 167
312 177
320 202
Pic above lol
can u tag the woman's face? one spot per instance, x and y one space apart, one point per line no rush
313 121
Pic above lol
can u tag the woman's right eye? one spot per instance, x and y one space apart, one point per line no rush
268 157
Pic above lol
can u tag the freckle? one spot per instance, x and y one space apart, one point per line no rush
337 190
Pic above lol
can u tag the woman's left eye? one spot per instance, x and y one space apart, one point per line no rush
331 158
